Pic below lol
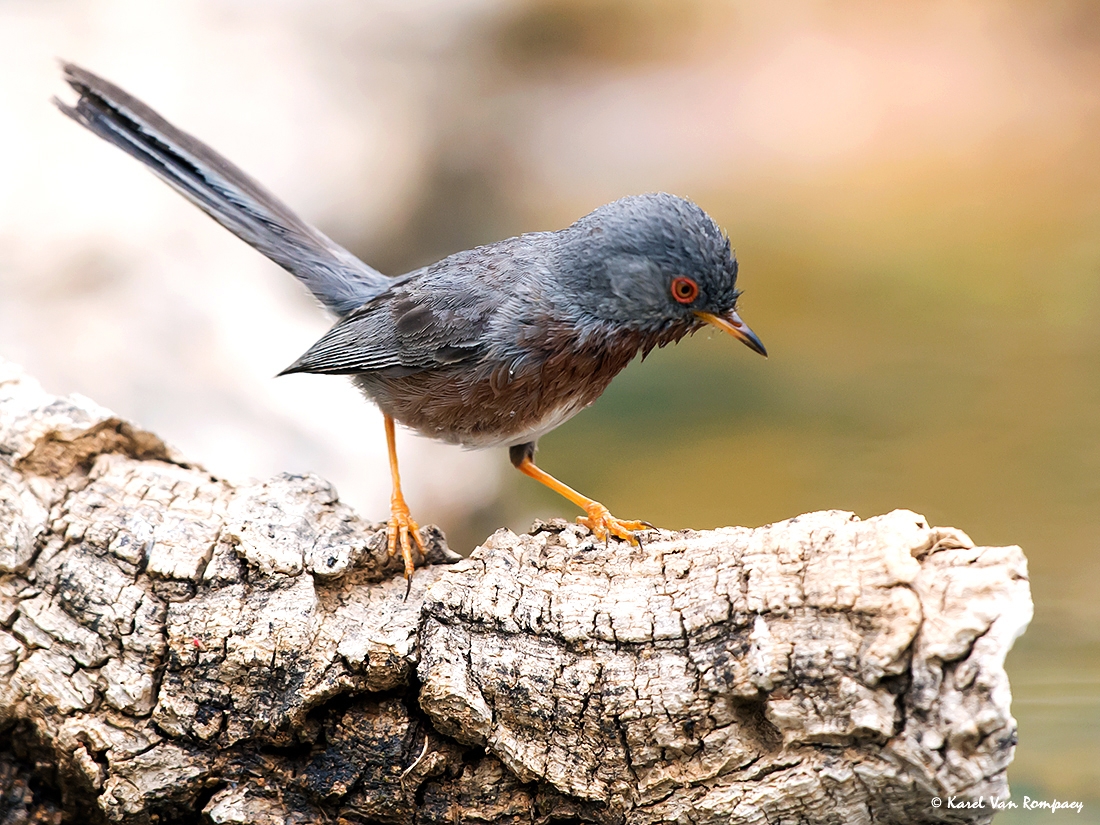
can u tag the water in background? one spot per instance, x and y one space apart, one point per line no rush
913 191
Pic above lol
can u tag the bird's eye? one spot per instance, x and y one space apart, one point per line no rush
684 290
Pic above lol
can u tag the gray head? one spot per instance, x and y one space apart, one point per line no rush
654 263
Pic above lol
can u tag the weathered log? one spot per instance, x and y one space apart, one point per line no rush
177 648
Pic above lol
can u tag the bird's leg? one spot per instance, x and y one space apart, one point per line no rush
598 518
400 527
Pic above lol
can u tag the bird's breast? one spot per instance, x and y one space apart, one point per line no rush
502 401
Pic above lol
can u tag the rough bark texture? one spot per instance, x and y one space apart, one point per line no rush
174 648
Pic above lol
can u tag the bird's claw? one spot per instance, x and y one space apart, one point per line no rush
603 525
402 532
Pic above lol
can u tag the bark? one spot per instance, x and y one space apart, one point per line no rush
177 648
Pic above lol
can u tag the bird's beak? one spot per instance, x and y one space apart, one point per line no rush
731 322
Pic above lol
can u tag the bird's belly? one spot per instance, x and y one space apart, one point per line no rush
478 409
528 432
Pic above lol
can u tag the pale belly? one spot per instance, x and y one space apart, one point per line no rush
533 432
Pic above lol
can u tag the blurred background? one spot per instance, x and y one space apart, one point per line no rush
913 190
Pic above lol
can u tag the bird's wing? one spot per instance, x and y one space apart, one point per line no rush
394 333
435 317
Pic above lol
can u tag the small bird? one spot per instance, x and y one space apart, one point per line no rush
494 346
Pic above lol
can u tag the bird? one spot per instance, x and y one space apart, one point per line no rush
490 347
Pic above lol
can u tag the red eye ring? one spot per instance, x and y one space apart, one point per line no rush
684 290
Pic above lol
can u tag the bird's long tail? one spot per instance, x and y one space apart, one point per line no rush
337 278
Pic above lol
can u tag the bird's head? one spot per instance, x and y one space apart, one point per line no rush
656 264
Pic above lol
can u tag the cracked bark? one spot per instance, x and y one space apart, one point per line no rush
176 648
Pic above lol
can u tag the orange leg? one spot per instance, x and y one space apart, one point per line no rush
598 519
400 527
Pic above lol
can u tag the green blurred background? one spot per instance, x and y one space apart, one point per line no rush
928 289
913 189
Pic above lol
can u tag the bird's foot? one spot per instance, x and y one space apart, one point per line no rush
604 525
402 532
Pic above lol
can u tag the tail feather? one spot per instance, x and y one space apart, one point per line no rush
337 278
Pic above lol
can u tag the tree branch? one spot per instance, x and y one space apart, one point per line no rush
177 648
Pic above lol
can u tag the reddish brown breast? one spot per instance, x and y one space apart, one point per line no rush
496 404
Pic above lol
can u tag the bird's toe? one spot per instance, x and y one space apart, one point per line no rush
603 525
